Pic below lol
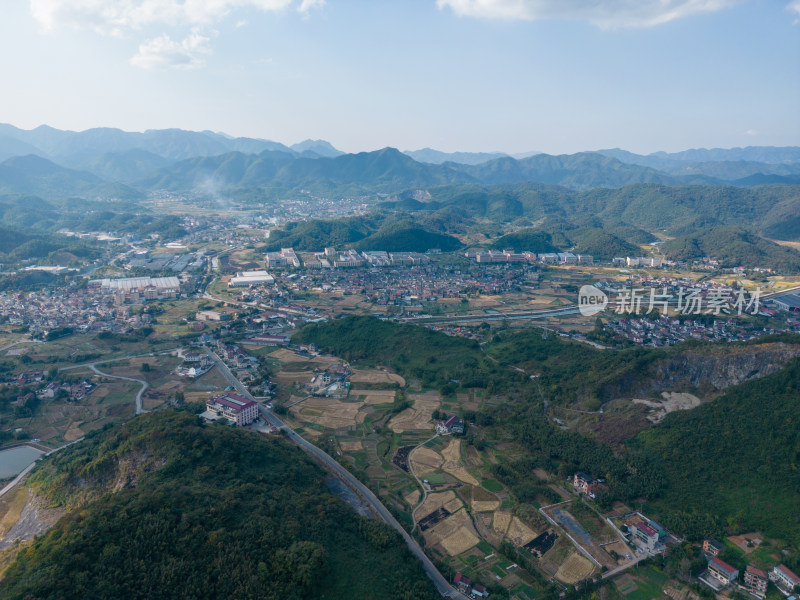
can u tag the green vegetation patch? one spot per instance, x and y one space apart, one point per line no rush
492 485
216 512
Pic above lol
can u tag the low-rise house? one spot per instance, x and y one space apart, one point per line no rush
583 482
756 581
462 582
784 579
722 571
48 392
213 315
712 547
645 535
451 425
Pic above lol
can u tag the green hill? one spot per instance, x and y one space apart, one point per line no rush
409 239
311 236
166 507
600 243
733 247
733 461
525 239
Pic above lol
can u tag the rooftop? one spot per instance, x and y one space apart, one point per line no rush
756 572
789 574
646 529
233 401
721 565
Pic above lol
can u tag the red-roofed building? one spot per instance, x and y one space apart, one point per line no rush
722 571
645 535
479 591
784 579
235 408
462 581
451 425
756 580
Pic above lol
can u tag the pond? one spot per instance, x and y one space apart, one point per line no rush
14 460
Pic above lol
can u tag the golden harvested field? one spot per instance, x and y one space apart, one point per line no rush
374 396
351 446
285 355
501 521
436 501
519 533
328 412
452 462
418 416
459 541
453 505
485 506
424 461
412 498
376 376
446 528
575 568
292 376
73 432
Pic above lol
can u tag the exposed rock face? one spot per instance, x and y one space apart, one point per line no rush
724 370
712 370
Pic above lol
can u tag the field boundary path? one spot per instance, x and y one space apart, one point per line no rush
421 485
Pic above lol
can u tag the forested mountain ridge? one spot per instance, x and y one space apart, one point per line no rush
164 506
184 161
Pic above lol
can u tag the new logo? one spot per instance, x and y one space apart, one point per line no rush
591 300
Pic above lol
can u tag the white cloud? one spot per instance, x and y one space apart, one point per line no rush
121 17
751 132
308 5
603 13
116 16
163 53
794 7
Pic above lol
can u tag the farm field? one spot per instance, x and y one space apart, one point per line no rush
574 569
418 416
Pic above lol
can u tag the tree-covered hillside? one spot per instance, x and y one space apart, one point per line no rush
166 507
728 466
733 247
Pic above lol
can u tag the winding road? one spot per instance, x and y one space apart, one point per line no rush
93 366
444 587
139 408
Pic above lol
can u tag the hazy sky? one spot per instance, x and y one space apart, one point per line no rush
476 75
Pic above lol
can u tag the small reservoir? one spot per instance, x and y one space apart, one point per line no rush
14 460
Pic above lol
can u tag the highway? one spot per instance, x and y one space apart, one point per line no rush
444 587
537 314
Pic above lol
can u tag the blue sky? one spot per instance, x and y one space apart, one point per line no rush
557 76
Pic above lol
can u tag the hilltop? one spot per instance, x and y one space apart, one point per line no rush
164 506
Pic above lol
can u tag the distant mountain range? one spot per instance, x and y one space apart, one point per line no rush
106 162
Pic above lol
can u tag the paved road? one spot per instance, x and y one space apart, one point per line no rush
139 408
444 587
93 366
